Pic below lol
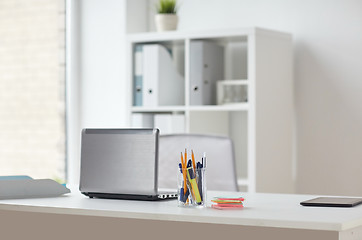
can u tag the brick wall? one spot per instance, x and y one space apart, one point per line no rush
32 81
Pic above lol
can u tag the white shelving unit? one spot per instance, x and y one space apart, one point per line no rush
262 127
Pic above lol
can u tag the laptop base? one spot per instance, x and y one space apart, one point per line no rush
163 196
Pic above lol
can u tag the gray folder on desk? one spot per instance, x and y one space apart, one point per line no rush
30 188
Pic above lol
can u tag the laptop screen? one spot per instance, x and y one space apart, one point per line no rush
119 161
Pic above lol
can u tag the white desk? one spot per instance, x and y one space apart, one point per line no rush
271 216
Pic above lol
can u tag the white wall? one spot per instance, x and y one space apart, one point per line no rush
102 63
96 71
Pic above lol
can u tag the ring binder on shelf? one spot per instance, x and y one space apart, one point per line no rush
162 84
138 75
206 67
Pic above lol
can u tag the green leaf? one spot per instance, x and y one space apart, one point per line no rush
166 6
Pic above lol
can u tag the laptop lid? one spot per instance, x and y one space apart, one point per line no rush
119 161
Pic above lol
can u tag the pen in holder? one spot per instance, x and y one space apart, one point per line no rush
191 180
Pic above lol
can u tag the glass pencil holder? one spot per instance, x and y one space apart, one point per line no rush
191 187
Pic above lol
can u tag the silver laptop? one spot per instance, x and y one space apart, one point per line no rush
120 163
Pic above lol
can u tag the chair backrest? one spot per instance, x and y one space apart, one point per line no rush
220 171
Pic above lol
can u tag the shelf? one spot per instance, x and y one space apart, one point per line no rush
235 82
226 107
228 35
203 108
256 81
182 35
159 109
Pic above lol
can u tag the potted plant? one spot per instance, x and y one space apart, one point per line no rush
166 18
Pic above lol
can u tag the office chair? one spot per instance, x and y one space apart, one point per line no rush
220 171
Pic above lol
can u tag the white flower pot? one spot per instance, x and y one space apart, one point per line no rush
166 22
